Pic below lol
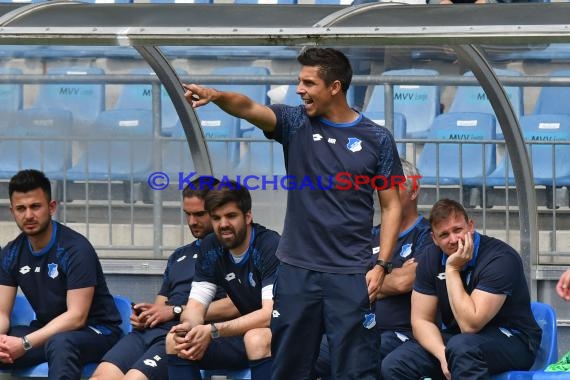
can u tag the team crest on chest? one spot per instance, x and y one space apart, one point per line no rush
354 144
251 280
406 250
52 270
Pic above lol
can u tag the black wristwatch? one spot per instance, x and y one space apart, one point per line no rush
386 265
26 343
214 332
177 310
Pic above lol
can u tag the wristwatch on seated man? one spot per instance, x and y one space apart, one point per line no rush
177 311
26 343
388 266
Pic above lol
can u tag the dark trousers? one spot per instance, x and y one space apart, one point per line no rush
469 357
308 304
66 352
389 341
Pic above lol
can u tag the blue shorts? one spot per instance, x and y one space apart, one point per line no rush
142 350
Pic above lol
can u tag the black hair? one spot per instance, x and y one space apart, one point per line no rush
28 180
333 65
200 187
228 191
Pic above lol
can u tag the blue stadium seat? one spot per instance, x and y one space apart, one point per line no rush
553 100
139 96
474 99
38 138
84 100
176 156
20 51
257 92
11 94
454 163
243 374
60 52
399 127
418 103
22 312
540 128
217 124
291 98
262 157
21 306
548 351
119 148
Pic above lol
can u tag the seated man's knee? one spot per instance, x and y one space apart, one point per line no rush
462 346
170 344
107 371
390 363
59 343
258 343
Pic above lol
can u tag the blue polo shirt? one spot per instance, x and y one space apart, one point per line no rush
242 281
495 268
328 225
68 262
393 312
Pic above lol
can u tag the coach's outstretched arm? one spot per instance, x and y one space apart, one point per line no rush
233 103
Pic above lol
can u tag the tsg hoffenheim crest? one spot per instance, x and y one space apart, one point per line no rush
354 144
406 250
52 270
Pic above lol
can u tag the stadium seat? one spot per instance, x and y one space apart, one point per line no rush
257 92
454 163
217 124
139 96
176 156
419 104
399 127
38 138
291 98
84 100
553 99
11 94
541 128
119 148
474 99
548 351
23 314
261 157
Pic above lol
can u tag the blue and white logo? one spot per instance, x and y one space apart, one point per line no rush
251 280
369 321
354 144
52 270
406 250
